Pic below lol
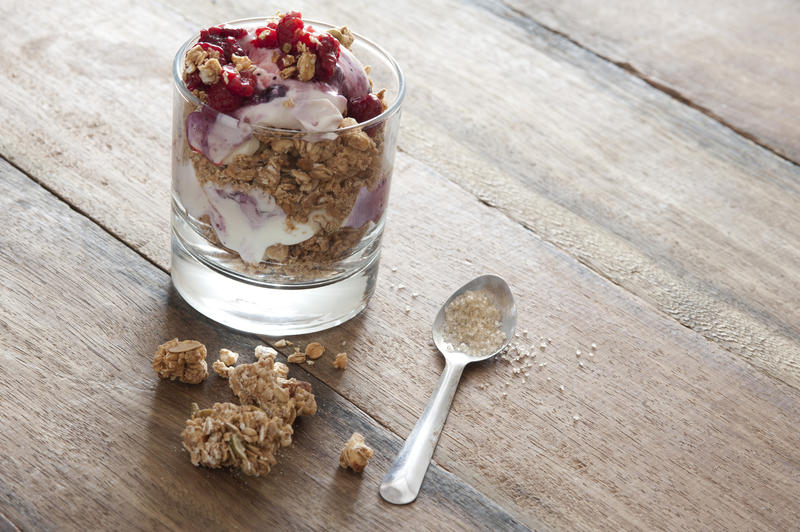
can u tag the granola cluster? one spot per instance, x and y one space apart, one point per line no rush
229 435
247 436
356 453
182 360
264 383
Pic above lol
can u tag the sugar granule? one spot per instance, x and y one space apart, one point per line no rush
472 323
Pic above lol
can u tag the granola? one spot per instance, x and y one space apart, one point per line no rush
356 453
264 383
229 435
182 360
340 362
223 366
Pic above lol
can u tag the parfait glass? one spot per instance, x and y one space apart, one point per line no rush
278 231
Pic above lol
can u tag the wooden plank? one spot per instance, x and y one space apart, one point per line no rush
92 437
737 61
715 245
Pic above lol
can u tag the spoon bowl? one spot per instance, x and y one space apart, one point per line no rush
401 484
502 298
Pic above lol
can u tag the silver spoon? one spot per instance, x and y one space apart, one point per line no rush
401 484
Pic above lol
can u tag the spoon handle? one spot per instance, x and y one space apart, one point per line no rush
401 484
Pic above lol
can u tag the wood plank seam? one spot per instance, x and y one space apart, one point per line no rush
514 15
77 209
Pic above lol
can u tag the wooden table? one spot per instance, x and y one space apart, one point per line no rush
631 169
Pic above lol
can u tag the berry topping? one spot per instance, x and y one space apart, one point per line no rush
289 28
266 37
241 84
225 39
364 108
221 99
327 55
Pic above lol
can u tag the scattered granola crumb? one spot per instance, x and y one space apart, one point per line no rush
314 350
228 357
578 353
576 418
356 453
580 363
415 295
340 362
594 347
561 388
343 35
183 360
310 362
401 287
407 309
229 435
283 342
221 369
265 351
394 268
288 103
296 358
543 346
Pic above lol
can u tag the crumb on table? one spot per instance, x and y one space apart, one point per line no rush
182 360
356 453
340 362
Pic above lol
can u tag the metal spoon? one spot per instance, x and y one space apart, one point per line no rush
401 484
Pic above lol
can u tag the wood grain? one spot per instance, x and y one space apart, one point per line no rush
647 192
696 222
91 435
737 60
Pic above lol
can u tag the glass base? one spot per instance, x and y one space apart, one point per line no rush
270 310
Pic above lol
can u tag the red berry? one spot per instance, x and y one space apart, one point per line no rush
221 99
364 108
288 28
327 55
240 84
193 81
266 38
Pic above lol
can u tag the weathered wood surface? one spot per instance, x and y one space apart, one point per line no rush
91 436
736 60
646 191
675 432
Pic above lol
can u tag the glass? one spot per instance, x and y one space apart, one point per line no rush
284 239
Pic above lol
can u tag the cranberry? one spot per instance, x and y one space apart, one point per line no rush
226 32
364 108
221 99
193 81
225 39
327 55
289 28
241 84
266 38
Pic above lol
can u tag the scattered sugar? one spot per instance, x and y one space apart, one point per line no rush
594 347
407 309
472 323
394 268
561 387
578 353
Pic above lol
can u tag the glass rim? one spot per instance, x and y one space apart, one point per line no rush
177 78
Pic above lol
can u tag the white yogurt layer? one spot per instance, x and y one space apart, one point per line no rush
250 222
